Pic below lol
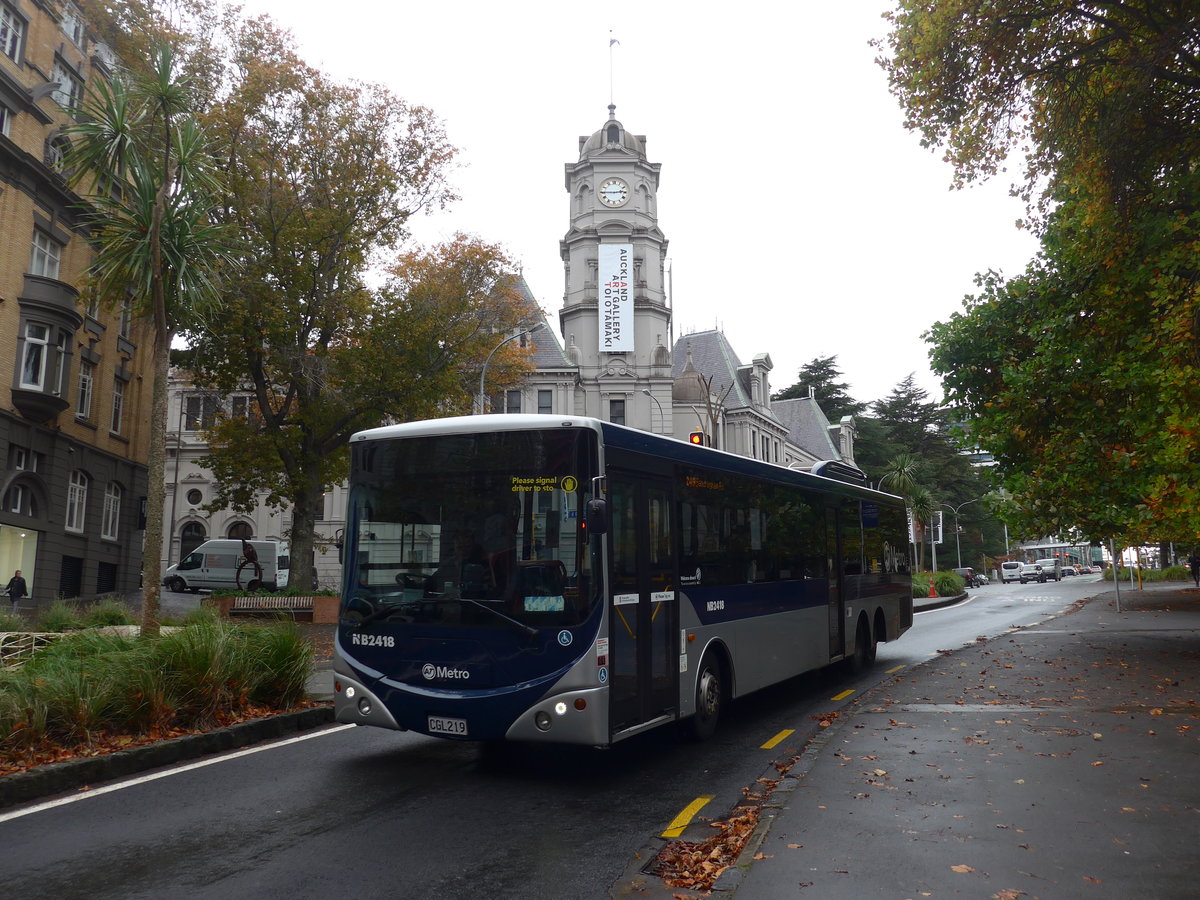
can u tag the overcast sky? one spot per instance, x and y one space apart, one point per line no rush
803 219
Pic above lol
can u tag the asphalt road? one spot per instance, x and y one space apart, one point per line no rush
366 813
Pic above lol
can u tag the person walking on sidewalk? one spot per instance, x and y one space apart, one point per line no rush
16 590
1194 562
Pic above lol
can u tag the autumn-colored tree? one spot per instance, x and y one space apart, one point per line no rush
322 178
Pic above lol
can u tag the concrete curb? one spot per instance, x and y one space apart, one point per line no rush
921 605
57 778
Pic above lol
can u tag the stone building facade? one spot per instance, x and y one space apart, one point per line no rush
191 486
75 377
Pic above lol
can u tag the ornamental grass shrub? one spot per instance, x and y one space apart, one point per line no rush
946 584
90 685
60 616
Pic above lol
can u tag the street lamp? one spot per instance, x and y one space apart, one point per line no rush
483 373
955 509
662 415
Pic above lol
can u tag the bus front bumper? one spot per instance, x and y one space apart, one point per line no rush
354 704
571 717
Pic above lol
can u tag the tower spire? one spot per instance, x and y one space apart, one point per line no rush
612 42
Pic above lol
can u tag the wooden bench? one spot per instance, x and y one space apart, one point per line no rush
321 610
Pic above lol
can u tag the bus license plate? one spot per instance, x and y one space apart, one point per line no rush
440 725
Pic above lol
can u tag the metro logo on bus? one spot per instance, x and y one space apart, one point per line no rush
430 671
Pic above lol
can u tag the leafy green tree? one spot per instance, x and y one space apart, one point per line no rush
1104 92
141 161
821 377
1080 375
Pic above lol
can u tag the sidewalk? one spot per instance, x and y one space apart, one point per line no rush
1058 761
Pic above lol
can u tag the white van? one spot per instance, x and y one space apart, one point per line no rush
1010 571
220 564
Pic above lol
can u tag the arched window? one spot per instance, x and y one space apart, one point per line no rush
240 531
614 134
76 501
112 511
191 537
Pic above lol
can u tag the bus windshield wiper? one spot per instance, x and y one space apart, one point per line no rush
528 629
385 610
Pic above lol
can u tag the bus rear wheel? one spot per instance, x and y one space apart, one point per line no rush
710 698
864 648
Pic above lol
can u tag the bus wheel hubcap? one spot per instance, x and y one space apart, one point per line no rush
710 693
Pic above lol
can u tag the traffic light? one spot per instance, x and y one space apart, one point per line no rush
699 438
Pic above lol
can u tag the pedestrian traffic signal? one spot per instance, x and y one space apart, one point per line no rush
698 437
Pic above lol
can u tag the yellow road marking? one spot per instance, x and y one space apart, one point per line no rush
684 819
775 741
894 670
843 695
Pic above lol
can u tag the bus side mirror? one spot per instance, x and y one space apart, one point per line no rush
596 517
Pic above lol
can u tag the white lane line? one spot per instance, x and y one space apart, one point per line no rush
187 767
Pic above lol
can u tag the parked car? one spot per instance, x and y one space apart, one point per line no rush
969 577
1068 570
1010 571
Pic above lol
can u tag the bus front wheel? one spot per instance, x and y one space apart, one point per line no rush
710 697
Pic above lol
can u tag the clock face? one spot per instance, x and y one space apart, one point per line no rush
614 192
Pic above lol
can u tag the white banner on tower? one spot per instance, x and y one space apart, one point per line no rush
616 297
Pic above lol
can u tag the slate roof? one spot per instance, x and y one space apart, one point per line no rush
712 357
807 425
548 352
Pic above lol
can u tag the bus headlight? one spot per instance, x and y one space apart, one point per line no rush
560 708
542 720
364 705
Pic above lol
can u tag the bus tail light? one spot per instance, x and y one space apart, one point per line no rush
580 704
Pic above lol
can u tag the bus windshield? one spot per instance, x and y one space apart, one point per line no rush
479 530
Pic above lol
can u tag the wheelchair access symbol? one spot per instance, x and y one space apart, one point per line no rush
602 674
565 637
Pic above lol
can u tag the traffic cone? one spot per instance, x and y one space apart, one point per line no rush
932 589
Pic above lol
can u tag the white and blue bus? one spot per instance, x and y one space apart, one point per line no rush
559 578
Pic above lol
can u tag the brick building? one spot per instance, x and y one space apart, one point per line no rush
75 377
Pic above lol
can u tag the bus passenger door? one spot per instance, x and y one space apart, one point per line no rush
644 611
837 599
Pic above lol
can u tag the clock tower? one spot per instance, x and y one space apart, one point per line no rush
615 318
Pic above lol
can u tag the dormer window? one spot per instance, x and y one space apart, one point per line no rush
614 134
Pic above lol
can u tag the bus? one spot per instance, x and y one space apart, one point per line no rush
563 579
